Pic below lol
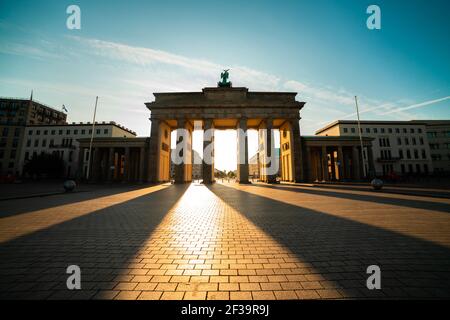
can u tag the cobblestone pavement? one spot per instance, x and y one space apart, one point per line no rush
225 241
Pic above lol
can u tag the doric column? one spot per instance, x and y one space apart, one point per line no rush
181 143
95 172
127 167
110 164
308 169
297 150
242 151
80 172
208 151
372 172
141 164
154 147
341 163
356 163
324 164
271 167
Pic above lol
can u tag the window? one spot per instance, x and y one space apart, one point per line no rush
410 168
375 130
402 168
400 153
434 146
419 130
382 130
5 132
412 130
418 168
432 134
45 132
53 132
436 157
408 154
404 130
27 155
390 130
2 153
17 132
406 141
15 143
421 140
414 141
13 153
28 143
75 131
105 131
36 143
67 132
424 154
425 168
345 130
83 131
44 142
97 131
60 132
399 141
416 154
30 132
38 132
397 130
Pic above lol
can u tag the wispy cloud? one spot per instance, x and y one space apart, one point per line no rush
28 51
133 73
150 57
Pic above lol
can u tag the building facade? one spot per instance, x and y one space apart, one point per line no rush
438 134
399 147
15 115
114 159
63 141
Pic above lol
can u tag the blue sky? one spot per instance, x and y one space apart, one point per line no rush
126 50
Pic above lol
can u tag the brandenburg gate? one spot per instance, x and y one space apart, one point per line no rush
225 107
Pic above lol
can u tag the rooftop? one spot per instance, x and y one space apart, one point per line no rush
379 122
73 124
35 101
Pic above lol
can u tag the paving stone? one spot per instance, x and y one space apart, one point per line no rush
225 241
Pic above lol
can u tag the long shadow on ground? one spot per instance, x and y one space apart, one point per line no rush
341 249
13 207
364 196
102 243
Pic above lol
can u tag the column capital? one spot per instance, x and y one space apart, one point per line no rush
181 123
242 123
207 123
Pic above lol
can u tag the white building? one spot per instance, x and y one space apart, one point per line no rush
399 147
62 139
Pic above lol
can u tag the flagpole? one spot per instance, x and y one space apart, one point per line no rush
360 138
92 139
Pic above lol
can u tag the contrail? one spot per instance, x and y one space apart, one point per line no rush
418 105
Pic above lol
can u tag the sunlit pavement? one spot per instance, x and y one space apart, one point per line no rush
225 241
